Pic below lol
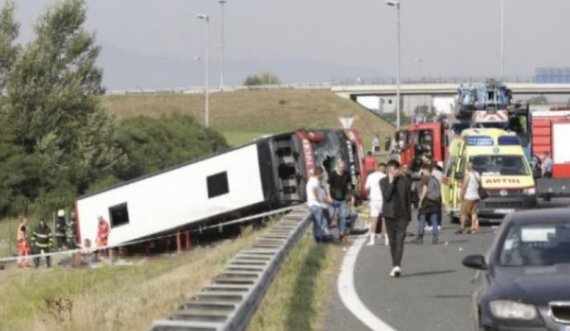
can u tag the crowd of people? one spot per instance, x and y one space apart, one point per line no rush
392 194
331 197
41 241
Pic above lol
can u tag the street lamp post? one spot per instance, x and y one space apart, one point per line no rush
222 63
397 5
502 39
206 19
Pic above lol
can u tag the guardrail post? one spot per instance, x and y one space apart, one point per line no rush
178 243
188 242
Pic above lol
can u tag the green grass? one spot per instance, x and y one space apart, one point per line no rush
243 115
8 229
298 297
110 297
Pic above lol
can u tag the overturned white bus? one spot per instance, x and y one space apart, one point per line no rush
269 173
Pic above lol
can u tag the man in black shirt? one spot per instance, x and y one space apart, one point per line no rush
397 211
339 185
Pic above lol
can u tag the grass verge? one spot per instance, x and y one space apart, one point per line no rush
8 229
298 297
244 115
110 297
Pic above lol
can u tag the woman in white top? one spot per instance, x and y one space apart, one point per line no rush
469 199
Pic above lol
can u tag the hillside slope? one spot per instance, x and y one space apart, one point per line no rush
243 115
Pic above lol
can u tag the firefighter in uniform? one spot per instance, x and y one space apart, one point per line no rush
60 229
70 238
23 247
42 241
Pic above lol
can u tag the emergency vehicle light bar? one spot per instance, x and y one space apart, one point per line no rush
509 140
479 141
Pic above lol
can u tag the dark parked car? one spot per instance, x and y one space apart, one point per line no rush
524 281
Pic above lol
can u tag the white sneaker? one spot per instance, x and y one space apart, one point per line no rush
386 241
370 243
429 229
396 271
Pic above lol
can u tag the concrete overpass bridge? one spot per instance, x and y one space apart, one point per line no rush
445 89
381 97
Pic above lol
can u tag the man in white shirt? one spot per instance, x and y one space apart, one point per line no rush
547 164
316 201
372 186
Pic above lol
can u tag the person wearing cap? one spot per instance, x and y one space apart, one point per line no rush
42 242
60 228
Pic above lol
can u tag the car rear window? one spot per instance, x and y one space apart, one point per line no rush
536 245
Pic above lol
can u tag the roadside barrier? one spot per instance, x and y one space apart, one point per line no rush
137 242
231 299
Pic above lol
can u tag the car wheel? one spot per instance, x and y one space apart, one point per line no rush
547 198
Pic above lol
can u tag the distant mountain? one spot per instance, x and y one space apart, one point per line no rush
124 69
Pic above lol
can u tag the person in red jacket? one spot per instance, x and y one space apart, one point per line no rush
103 230
23 247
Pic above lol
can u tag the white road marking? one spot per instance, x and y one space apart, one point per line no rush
347 290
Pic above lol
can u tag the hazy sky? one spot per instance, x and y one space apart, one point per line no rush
150 43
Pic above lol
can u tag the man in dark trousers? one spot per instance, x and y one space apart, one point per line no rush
42 242
397 210
339 186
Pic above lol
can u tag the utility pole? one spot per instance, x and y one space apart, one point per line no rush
222 46
206 19
502 39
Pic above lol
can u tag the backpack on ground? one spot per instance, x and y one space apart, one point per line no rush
433 190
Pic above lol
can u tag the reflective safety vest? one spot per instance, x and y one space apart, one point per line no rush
103 230
21 236
42 238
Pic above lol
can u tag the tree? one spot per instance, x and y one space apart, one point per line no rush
53 102
152 144
265 78
9 30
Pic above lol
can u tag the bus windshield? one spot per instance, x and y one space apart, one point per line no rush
497 165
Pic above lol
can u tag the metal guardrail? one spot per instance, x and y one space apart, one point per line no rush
231 299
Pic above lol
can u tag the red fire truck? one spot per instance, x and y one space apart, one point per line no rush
550 134
422 139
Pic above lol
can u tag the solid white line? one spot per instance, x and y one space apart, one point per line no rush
347 290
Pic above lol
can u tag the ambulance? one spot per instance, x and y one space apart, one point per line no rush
506 175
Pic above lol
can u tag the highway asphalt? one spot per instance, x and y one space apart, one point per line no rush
434 292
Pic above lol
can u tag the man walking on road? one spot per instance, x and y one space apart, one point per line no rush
397 212
429 205
372 186
339 185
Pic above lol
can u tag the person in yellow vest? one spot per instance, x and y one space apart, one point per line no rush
23 247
